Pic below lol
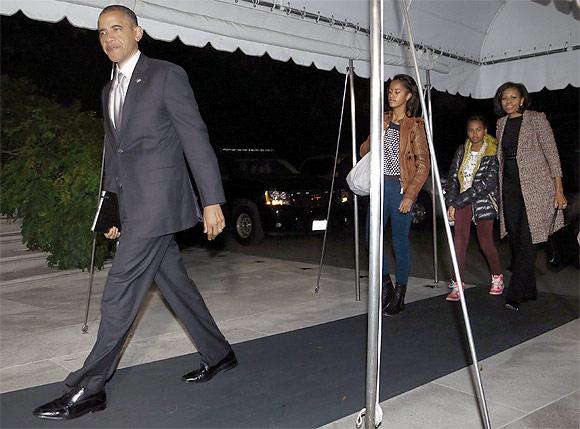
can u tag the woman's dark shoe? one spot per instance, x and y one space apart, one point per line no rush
512 305
530 298
388 291
397 304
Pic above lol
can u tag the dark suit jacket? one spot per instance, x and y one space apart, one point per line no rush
144 161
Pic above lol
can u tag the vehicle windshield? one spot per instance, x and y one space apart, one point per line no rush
270 167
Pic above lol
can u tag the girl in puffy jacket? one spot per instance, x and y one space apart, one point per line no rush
471 195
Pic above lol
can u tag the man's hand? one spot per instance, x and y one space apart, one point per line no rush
406 204
113 233
213 221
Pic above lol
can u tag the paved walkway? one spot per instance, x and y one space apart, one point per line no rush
532 385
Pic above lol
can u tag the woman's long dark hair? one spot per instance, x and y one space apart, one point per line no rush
414 104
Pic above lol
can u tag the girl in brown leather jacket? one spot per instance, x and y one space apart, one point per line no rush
406 167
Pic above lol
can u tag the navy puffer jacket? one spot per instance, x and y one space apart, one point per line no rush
482 194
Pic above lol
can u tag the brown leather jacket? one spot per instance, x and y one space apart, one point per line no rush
413 154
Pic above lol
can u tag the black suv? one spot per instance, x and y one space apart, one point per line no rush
266 194
323 165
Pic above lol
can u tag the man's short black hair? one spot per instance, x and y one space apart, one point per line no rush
119 8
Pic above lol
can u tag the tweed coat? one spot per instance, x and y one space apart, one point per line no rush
482 195
538 165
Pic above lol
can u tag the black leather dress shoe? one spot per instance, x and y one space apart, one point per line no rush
72 404
206 372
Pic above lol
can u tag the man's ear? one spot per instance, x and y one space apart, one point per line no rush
138 33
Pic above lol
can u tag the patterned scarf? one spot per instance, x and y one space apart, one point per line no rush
489 145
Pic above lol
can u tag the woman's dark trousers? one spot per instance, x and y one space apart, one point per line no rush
522 285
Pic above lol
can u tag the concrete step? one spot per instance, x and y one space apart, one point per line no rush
14 248
10 236
25 265
16 261
8 225
49 275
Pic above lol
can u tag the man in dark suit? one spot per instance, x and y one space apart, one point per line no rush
152 126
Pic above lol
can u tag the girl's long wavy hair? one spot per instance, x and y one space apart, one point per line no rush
414 104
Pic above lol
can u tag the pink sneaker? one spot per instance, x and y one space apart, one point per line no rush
454 295
496 284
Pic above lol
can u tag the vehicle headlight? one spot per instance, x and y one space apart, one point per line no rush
277 198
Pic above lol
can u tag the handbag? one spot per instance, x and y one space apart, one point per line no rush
562 246
359 178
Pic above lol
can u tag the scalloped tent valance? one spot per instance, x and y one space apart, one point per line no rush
470 46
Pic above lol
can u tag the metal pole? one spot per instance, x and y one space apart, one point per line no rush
480 391
85 327
433 189
354 159
375 235
317 287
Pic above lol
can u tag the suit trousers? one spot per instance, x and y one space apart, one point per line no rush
522 285
138 262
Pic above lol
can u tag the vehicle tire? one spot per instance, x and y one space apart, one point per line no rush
247 226
422 212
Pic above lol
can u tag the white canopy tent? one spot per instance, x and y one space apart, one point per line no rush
471 46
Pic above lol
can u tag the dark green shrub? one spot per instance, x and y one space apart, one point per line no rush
51 160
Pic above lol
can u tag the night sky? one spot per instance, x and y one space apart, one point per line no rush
254 101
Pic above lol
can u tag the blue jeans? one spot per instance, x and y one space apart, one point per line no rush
400 228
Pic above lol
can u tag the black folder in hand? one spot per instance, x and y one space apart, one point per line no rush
107 215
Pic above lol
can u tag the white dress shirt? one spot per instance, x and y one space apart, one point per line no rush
127 71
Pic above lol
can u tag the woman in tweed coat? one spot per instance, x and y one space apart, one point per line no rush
471 193
530 180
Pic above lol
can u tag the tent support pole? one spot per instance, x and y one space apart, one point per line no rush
85 327
330 196
355 200
475 366
433 188
375 235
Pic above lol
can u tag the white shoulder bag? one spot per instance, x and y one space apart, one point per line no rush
359 178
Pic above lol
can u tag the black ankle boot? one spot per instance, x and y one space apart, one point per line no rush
388 291
397 304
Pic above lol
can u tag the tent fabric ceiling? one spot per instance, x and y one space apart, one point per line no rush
474 34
